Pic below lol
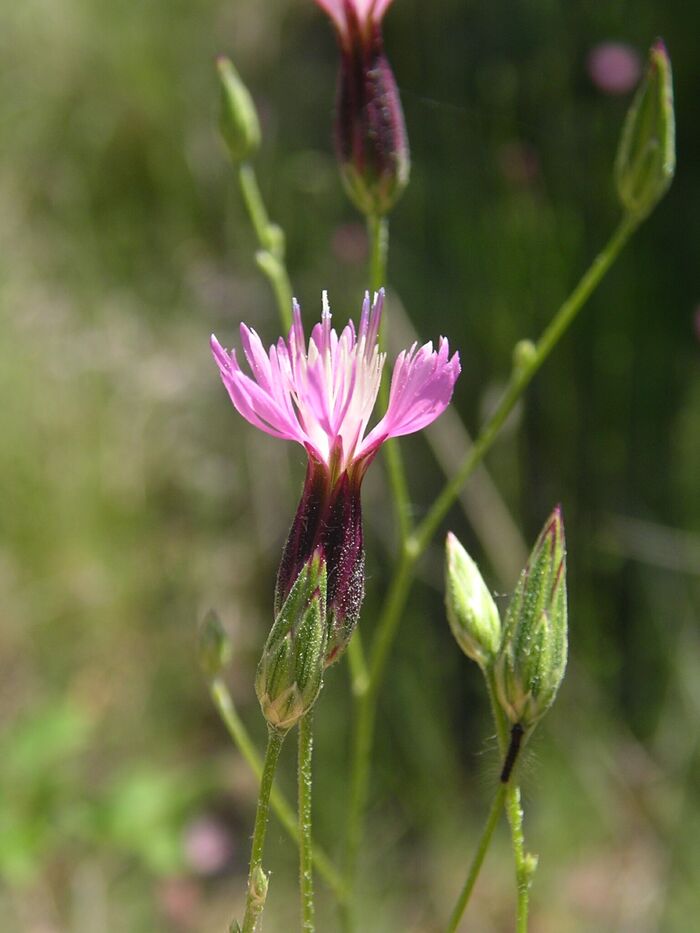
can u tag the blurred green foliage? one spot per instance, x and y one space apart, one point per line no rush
134 499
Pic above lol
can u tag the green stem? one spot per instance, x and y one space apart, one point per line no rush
525 864
478 859
417 542
378 236
521 378
306 873
257 879
270 257
284 812
359 675
364 727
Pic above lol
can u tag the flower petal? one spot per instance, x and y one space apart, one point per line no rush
421 388
252 401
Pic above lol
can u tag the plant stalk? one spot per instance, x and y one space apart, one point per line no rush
306 871
378 236
270 258
281 807
478 859
257 879
417 542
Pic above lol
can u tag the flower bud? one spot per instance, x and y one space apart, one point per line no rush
290 672
532 659
214 645
238 122
370 133
524 355
471 611
646 157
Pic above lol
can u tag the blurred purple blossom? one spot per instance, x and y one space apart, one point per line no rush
614 67
208 846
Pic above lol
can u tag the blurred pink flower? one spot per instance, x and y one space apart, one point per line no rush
322 397
349 243
208 846
614 67
342 12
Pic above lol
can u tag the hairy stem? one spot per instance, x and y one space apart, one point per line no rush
281 807
257 880
306 874
525 864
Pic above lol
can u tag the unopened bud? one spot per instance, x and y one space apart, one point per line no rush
290 672
214 645
531 663
238 122
524 355
646 157
471 611
370 133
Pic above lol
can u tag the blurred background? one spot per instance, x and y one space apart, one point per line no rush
133 498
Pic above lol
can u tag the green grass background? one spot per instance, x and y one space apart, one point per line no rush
133 498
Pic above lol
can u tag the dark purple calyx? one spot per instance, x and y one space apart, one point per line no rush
328 520
370 133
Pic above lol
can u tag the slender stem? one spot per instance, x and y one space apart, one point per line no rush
525 864
478 859
284 812
257 212
417 542
306 872
521 378
359 673
364 727
257 879
378 236
270 257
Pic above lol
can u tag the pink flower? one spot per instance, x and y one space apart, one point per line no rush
344 12
370 133
322 397
614 67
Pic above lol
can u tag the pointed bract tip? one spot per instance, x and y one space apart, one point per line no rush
646 156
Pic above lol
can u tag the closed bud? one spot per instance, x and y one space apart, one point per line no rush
214 645
524 355
471 611
370 133
238 122
646 157
290 672
531 663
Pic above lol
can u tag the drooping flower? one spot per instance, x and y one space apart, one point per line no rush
322 396
370 133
